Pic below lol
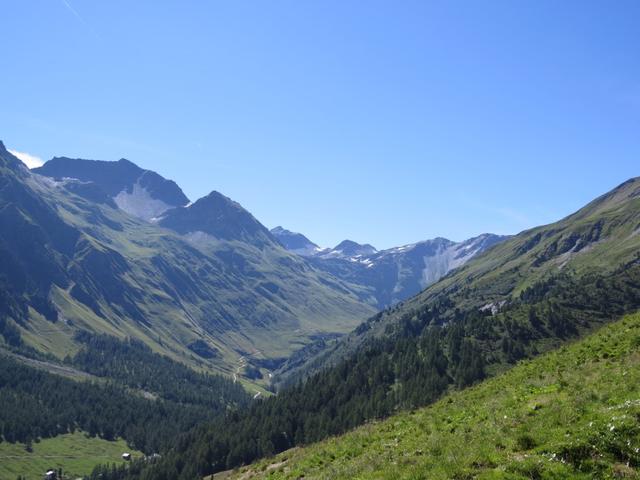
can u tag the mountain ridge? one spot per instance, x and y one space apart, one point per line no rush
396 273
218 216
579 244
139 192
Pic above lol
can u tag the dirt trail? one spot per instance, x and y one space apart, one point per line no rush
242 362
54 368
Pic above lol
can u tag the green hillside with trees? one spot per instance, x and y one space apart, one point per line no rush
572 413
526 296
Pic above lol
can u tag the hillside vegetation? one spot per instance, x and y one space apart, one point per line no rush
76 454
599 240
474 324
572 413
156 401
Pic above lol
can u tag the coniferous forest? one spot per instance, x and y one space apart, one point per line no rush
143 397
413 365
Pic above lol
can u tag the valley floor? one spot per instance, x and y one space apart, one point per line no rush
573 413
75 453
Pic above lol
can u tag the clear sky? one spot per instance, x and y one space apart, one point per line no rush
384 122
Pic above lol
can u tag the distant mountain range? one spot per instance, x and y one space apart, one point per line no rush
394 274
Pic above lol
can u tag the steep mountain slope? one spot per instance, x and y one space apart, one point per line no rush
141 193
219 218
600 239
70 263
394 274
573 413
525 296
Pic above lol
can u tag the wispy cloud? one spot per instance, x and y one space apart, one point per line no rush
67 4
31 161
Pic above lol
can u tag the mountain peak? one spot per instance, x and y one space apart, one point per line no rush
9 160
352 249
295 242
218 216
216 196
139 192
124 161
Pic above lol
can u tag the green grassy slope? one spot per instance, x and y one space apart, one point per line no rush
572 413
76 453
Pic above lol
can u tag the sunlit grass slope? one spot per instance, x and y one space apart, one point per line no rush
75 453
572 413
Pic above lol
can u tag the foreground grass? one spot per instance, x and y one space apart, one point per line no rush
573 413
75 453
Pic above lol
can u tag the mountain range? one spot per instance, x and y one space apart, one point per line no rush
112 248
107 247
394 274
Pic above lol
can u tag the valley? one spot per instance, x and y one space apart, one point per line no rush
201 302
199 314
475 323
320 240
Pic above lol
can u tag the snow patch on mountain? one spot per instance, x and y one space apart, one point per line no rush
308 251
436 266
140 203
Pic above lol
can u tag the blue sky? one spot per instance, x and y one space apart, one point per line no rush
383 122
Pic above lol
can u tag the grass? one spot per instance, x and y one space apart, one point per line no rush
75 453
572 413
